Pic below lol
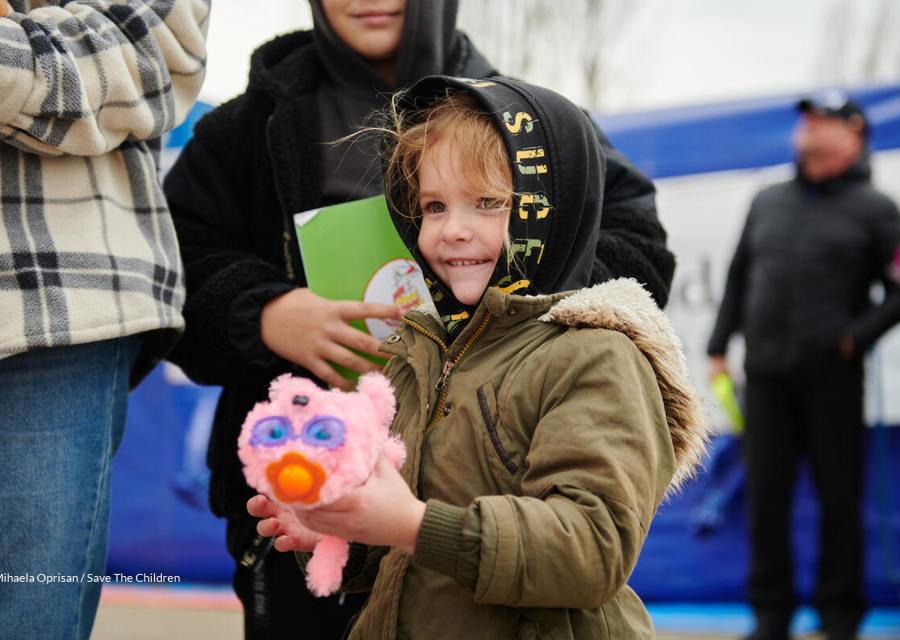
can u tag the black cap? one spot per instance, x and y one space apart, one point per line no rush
834 104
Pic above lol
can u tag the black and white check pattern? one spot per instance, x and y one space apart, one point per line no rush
87 247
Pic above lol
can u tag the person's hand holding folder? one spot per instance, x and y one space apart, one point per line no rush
312 331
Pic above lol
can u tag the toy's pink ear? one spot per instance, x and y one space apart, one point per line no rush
276 385
377 388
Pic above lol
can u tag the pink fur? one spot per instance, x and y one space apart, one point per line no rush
333 455
325 569
379 391
395 451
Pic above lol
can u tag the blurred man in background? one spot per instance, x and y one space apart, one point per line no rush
799 290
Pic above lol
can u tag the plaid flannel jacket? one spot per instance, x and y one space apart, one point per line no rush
87 247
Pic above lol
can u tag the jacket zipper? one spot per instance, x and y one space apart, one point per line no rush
449 364
286 236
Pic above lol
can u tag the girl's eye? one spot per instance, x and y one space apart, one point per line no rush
492 203
434 207
324 431
271 432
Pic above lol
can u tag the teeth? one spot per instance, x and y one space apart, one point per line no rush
465 263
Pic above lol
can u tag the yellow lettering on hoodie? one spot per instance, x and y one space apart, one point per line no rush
530 153
514 126
533 202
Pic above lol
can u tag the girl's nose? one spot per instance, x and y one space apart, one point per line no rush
457 226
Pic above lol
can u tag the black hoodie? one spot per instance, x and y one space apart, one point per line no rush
558 174
350 90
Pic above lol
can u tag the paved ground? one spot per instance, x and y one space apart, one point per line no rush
138 623
141 623
116 622
186 613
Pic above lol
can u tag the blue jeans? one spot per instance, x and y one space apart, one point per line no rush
62 413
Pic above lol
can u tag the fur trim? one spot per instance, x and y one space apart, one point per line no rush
623 305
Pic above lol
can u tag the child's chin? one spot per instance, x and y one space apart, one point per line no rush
468 295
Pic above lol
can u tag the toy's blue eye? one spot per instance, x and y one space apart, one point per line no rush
271 432
324 431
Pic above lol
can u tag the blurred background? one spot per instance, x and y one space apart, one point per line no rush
628 55
701 95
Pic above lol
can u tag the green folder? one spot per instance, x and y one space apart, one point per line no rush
351 251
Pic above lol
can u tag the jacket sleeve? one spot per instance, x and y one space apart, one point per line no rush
876 320
600 460
632 241
728 320
80 78
227 284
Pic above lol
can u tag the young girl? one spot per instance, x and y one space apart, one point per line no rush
253 163
544 422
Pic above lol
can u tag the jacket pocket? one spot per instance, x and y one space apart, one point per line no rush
487 405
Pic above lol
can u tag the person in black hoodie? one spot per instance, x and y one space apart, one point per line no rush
258 159
798 288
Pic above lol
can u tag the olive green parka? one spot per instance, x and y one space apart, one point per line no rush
543 441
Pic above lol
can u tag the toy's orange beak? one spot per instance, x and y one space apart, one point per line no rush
296 479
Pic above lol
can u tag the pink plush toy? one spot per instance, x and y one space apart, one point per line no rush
307 447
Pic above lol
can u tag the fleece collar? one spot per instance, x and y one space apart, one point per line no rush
625 306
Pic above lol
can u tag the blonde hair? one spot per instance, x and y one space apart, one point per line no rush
459 119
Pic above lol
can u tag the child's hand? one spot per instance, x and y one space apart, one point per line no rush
281 521
5 9
382 512
311 331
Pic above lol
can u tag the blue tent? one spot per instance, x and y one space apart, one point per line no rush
745 134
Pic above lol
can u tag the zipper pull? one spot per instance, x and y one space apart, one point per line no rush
445 373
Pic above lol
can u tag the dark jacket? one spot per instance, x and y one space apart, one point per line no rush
252 164
802 272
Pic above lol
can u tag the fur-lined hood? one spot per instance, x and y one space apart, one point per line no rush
625 306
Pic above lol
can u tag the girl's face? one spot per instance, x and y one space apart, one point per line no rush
462 233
